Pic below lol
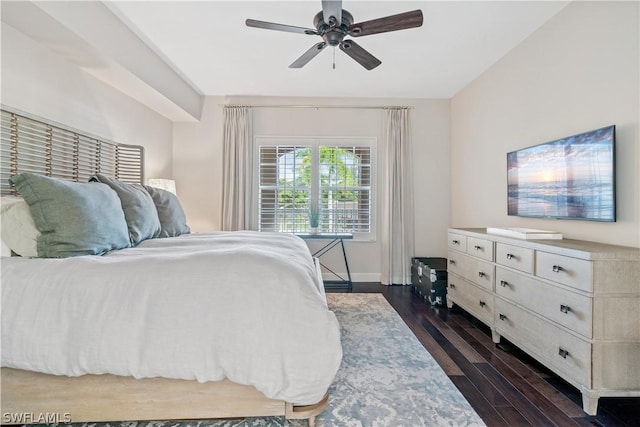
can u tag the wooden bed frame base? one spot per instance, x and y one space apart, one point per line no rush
29 396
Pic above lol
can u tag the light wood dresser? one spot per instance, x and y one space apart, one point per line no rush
572 305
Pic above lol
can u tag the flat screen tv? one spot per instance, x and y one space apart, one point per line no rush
570 178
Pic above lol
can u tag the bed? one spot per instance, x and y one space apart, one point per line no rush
188 326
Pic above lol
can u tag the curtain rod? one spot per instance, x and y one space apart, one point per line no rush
358 107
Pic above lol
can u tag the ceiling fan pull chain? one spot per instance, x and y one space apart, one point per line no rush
334 57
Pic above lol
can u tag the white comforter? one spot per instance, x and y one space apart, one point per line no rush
245 306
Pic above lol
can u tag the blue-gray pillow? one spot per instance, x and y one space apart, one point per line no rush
139 209
73 218
173 221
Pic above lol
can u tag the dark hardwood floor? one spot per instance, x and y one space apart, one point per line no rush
504 385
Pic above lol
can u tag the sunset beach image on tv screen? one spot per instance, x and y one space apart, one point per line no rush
571 178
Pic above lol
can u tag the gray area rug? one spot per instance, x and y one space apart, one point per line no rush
387 379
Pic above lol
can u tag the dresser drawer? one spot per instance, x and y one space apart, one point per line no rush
474 270
563 352
567 308
515 257
457 242
475 300
480 248
569 271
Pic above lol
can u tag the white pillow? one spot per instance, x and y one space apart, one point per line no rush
17 228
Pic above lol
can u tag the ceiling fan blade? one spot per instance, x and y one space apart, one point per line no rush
279 27
332 8
401 21
308 55
360 55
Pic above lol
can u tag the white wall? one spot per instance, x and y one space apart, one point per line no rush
579 72
198 163
197 166
37 81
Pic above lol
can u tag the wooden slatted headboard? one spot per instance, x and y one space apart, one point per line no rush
33 144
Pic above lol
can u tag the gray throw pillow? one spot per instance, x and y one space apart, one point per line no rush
173 221
139 209
73 218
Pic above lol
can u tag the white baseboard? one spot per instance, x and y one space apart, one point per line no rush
355 277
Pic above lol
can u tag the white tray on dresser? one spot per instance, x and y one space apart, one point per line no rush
524 233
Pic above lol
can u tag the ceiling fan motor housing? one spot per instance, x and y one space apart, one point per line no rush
333 35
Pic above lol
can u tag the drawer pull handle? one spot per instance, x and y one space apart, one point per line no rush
565 308
452 286
502 316
456 242
477 248
482 303
510 256
481 274
563 353
504 283
557 269
452 262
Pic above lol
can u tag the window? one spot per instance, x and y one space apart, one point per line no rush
332 175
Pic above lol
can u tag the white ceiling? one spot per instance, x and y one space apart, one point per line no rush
208 44
168 54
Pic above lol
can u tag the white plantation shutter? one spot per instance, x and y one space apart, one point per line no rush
334 175
283 195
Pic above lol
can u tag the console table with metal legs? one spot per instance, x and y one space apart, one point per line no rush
334 240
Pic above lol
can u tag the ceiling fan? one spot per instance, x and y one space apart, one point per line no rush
333 24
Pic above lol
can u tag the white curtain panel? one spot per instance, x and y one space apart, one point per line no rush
396 220
238 206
